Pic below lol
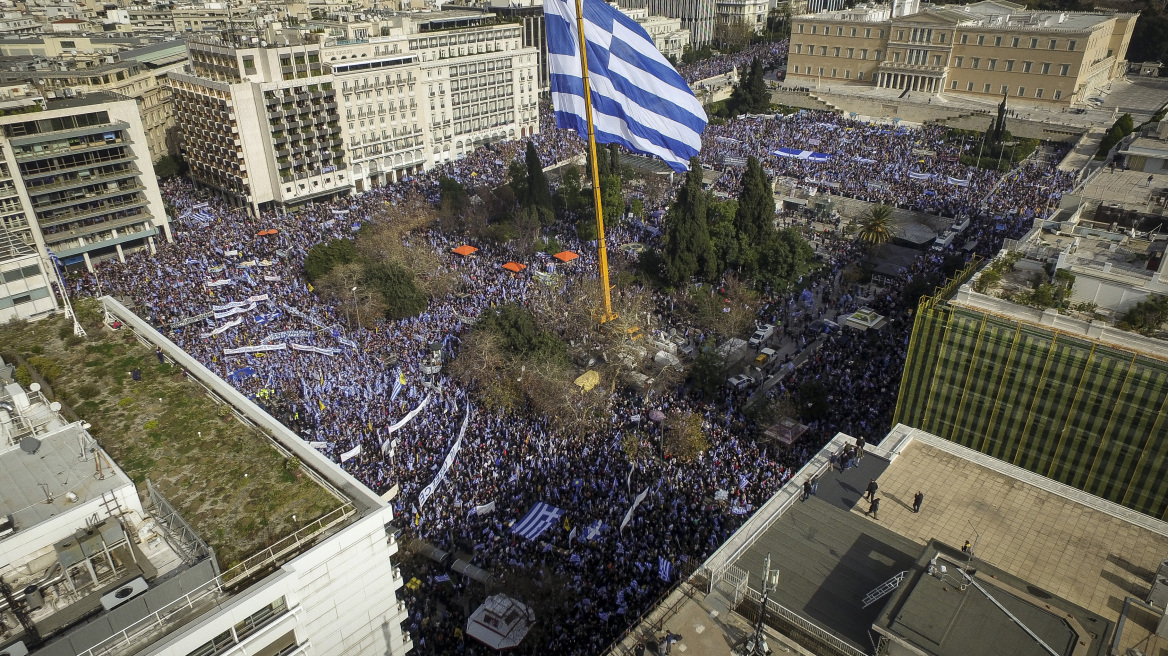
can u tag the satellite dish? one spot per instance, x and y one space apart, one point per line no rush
55 406
30 445
35 387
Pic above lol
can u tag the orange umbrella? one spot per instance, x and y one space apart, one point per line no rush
514 266
566 256
464 250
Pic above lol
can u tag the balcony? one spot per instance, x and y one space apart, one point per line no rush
114 159
91 212
55 150
81 199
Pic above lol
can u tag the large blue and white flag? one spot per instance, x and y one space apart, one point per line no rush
638 100
537 520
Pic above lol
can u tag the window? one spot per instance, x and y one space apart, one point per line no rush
1005 90
836 52
864 53
1021 91
987 87
853 31
839 31
1045 70
954 87
1064 69
867 33
942 37
851 53
900 35
1010 65
970 87
964 39
1058 93
877 56
1038 93
997 40
957 61
814 28
1015 42
249 64
936 60
976 62
834 73
896 56
1026 67
796 71
1071 45
860 75
1034 43
847 74
800 29
981 39
992 64
823 50
1053 43
880 34
798 49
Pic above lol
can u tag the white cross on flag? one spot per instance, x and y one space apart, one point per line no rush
537 520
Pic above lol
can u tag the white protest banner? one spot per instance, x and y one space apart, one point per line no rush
405 420
721 495
228 306
271 278
286 334
485 509
219 283
629 514
349 455
189 320
313 349
254 349
224 327
258 298
319 446
239 310
429 489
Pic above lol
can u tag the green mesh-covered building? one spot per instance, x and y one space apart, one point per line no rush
1080 402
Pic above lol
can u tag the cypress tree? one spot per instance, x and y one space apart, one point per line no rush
760 97
539 193
755 217
688 249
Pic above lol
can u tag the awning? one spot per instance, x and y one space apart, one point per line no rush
514 266
464 250
588 380
565 256
265 233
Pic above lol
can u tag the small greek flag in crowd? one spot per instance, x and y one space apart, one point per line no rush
575 559
442 578
664 569
593 530
638 100
398 382
537 520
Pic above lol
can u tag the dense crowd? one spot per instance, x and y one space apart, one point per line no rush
771 54
220 286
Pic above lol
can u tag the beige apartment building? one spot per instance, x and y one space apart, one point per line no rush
987 49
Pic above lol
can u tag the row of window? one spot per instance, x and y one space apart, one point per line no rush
921 57
925 35
850 53
1005 90
1008 66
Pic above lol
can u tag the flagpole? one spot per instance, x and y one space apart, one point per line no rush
608 315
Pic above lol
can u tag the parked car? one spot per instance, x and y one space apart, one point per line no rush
764 355
762 335
739 382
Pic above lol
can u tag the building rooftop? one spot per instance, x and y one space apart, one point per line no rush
995 14
1041 550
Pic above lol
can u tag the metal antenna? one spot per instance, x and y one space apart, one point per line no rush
755 644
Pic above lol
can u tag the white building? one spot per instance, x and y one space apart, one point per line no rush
99 574
439 86
259 119
76 179
748 12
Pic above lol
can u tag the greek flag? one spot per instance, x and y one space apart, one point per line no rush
664 569
638 100
537 520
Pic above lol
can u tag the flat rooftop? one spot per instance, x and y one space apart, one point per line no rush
29 480
1034 538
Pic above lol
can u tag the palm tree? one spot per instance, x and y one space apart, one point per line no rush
876 226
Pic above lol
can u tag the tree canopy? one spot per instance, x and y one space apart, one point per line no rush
688 251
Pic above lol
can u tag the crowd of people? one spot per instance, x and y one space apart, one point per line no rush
771 53
225 294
